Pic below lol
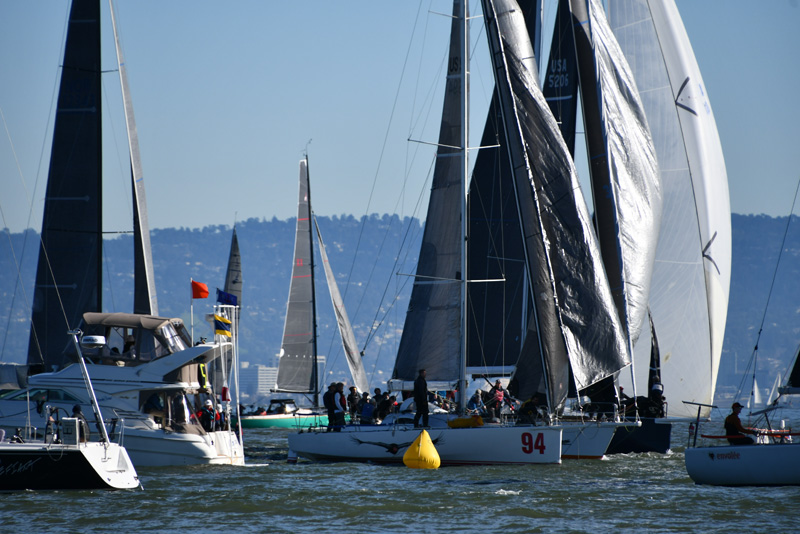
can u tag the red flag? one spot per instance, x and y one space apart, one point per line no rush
199 290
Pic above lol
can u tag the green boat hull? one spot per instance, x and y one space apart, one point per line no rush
284 421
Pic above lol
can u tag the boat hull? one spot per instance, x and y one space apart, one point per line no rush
586 441
455 446
283 421
745 465
36 466
652 436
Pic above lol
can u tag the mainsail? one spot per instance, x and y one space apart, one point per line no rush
691 276
233 276
345 328
575 318
297 369
432 332
70 252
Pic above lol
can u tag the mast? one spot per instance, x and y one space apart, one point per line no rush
315 370
464 73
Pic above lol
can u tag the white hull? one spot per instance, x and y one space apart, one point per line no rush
37 466
487 445
745 465
156 448
579 441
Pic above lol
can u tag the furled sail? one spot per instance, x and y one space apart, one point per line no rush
432 332
297 368
577 322
70 252
624 172
345 328
144 295
691 277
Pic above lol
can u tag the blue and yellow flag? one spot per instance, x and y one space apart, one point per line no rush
222 326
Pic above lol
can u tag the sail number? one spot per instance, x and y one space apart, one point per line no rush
529 444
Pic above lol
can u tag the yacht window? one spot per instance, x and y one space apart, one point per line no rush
173 339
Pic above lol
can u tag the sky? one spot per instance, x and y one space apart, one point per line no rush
228 97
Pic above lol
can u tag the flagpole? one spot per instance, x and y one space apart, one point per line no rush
191 306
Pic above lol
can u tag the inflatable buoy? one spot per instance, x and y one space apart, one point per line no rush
422 454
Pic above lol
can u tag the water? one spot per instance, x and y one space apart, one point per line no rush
625 493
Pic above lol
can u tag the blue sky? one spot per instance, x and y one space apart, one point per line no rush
227 96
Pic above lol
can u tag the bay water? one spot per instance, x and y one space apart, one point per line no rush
622 493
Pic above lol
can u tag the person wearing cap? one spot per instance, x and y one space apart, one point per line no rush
734 429
208 416
83 424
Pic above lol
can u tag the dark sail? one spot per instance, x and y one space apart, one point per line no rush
297 370
233 276
70 253
432 331
497 311
576 319
560 84
626 185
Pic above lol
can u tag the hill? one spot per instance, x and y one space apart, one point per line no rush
371 281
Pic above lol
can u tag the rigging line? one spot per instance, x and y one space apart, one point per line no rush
375 327
754 357
383 147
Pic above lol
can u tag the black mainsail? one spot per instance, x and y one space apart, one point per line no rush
68 275
432 333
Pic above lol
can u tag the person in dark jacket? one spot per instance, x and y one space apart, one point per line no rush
421 399
330 407
734 429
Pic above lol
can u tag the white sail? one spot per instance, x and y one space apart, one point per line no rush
691 277
345 328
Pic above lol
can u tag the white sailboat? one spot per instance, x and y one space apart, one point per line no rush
146 355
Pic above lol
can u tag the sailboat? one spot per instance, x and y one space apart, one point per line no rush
545 186
148 370
298 367
774 460
691 275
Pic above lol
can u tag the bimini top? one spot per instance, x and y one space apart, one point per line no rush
129 320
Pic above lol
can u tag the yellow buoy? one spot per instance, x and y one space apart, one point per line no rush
422 454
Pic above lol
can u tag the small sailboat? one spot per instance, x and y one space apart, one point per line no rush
773 460
65 459
298 367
